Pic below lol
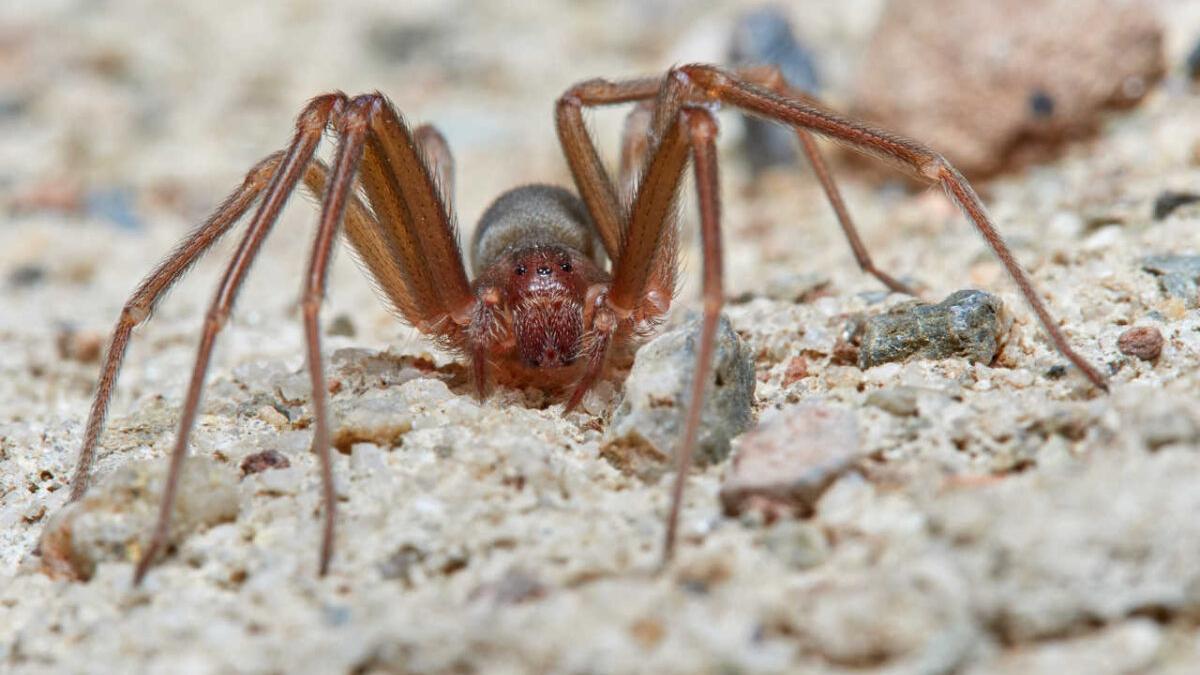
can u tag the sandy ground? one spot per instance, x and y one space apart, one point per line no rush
1014 521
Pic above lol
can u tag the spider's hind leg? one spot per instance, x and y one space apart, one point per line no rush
771 78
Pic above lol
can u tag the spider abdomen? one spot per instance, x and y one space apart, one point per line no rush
532 215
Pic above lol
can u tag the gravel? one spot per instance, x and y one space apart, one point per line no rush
1001 515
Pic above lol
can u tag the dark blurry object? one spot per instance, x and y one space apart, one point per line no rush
1168 200
764 37
400 42
1192 65
114 204
1001 84
23 276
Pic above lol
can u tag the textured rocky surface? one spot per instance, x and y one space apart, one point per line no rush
1002 516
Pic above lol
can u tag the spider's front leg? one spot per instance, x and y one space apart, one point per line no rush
645 266
405 239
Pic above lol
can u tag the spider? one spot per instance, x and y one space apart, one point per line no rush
543 308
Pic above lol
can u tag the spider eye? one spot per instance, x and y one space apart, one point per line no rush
520 270
566 267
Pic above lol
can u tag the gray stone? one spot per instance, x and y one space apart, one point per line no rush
113 522
764 36
968 323
1177 275
649 420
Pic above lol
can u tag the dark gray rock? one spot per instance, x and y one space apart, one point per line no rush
764 36
1177 275
648 422
968 323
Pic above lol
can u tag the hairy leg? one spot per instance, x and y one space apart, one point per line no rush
647 244
594 184
309 127
141 304
702 133
440 160
333 207
414 255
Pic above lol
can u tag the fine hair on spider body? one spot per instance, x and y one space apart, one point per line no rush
543 308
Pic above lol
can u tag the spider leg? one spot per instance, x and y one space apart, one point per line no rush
594 184
717 85
771 78
141 304
684 130
333 208
635 144
643 269
309 127
414 253
702 133
439 158
834 196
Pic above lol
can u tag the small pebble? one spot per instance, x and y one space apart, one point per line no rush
23 276
1168 201
968 323
648 422
273 416
342 325
797 369
261 461
1144 342
81 346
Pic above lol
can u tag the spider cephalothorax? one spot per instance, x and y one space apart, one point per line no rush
544 310
539 264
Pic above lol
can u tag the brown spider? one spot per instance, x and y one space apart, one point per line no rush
543 309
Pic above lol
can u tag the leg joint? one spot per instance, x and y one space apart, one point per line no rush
215 320
709 79
319 111
135 312
701 123
311 301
